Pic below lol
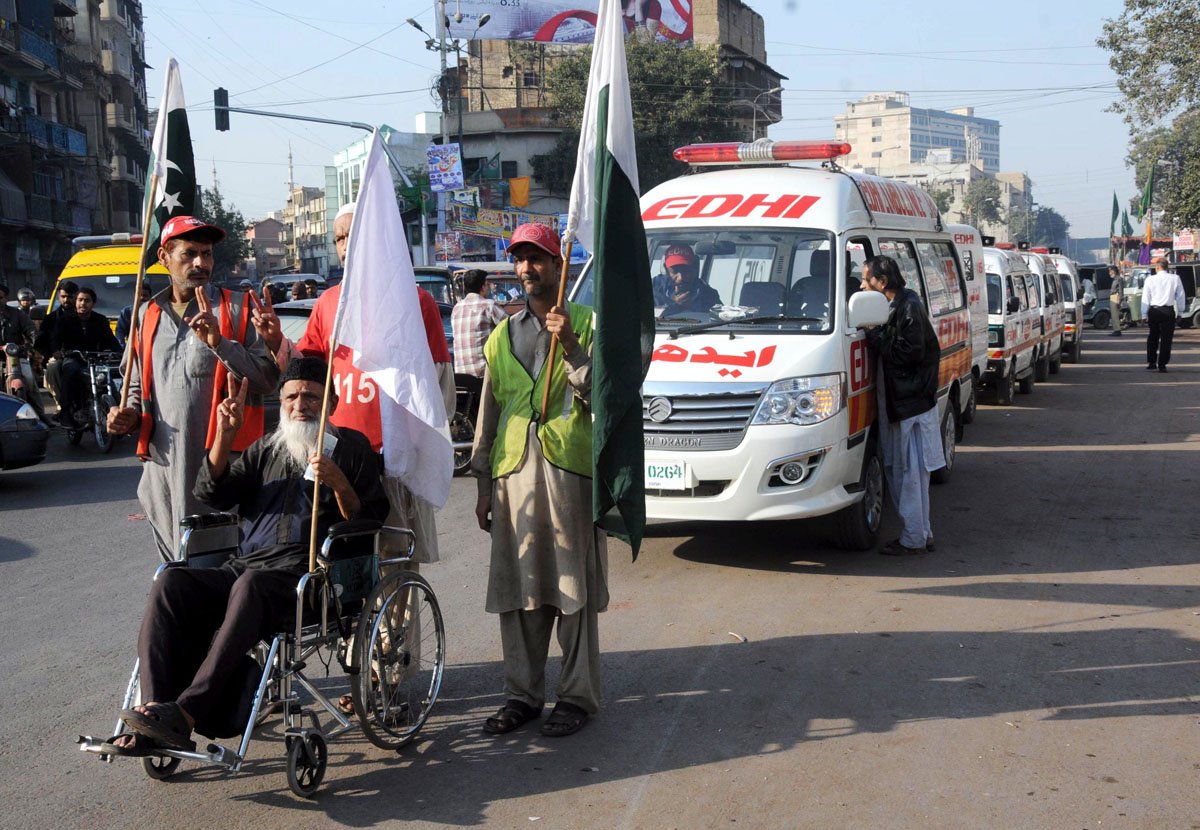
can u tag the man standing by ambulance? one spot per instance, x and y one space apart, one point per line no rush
549 563
190 336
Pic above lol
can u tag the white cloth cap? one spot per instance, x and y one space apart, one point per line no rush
345 210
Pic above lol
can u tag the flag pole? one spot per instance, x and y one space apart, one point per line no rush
312 532
562 295
137 290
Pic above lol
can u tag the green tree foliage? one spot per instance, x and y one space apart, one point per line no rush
1152 48
678 99
1045 226
981 202
234 248
1176 151
942 198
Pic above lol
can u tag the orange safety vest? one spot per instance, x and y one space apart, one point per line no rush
252 422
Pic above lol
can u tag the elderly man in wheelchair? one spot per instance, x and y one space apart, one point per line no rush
194 672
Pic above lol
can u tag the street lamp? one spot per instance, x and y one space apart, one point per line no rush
754 110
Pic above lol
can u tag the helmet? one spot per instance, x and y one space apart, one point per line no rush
26 294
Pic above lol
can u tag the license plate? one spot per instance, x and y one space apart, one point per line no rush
667 475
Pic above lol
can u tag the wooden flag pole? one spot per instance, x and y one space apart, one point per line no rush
562 296
312 532
137 291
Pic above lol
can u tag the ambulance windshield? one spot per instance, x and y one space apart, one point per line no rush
739 277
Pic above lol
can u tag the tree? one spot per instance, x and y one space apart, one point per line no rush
1153 52
678 99
234 248
981 202
1175 152
942 198
1045 226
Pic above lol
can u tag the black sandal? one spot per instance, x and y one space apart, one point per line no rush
566 719
140 748
512 715
164 723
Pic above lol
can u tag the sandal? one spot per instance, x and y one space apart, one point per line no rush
512 715
139 748
164 723
566 719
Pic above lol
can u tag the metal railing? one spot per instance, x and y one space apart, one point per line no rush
37 47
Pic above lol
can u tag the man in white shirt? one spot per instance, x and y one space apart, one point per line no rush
1162 296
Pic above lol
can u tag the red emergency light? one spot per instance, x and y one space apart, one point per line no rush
1006 246
761 151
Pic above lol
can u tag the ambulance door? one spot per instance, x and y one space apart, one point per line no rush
860 402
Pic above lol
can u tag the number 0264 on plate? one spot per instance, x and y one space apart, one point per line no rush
667 475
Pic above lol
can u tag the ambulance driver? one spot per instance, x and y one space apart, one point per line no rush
680 290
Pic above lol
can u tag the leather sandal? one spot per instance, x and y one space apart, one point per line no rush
566 719
512 715
162 722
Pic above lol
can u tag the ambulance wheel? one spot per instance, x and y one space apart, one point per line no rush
1077 350
1101 319
1025 384
949 444
1041 368
858 524
968 413
1056 362
1006 388
1196 320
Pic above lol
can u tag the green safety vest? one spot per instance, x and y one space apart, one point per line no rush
566 434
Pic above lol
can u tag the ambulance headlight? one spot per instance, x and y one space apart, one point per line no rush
802 401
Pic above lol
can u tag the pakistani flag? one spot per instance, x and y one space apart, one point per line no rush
1126 226
171 164
1143 208
1116 211
606 219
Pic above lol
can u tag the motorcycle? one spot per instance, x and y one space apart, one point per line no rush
18 377
462 421
101 394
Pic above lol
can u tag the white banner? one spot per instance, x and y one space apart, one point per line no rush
567 21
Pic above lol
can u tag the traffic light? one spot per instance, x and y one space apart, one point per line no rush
221 108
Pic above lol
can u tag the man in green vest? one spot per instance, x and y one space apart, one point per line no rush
549 562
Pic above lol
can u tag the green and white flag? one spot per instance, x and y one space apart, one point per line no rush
171 162
1112 224
605 217
1143 208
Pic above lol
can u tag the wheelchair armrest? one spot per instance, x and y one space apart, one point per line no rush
207 520
354 527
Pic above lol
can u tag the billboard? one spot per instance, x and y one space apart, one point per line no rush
567 21
445 167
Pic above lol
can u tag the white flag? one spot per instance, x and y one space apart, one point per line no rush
379 318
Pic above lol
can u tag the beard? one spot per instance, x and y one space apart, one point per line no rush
297 440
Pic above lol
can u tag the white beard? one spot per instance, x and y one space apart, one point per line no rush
296 439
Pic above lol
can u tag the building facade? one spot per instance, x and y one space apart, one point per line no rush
270 253
885 132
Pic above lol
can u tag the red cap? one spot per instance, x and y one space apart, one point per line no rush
178 226
679 255
543 236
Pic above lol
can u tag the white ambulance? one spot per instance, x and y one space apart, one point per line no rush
1072 294
969 242
760 399
1053 313
1014 321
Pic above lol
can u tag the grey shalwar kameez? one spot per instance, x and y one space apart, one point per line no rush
912 449
184 369
549 562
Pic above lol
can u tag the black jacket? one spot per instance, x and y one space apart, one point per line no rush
93 335
908 349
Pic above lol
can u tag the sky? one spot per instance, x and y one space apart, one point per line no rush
1031 64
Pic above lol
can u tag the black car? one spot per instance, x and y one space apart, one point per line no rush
23 436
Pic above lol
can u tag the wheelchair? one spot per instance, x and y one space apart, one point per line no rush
381 622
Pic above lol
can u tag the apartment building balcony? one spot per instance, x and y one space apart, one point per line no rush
40 211
13 209
123 119
49 135
65 8
116 64
125 169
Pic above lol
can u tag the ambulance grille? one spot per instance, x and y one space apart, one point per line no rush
697 422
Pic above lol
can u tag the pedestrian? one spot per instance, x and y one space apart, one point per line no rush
908 358
311 290
190 337
1115 299
473 319
549 562
299 292
1163 298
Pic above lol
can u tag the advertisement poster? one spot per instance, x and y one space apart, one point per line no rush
497 224
445 167
1185 240
568 21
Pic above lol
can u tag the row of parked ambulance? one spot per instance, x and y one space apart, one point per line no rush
760 400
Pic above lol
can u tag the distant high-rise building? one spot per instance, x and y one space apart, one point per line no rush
886 133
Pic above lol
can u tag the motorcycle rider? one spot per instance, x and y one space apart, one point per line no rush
29 304
15 326
67 289
87 331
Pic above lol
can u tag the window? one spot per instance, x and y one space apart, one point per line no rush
1016 288
995 294
530 79
508 170
942 280
858 251
1050 288
876 122
901 250
1031 286
876 139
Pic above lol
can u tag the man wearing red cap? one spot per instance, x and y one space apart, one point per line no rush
178 378
680 290
549 563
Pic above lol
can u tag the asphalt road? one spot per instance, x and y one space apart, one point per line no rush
1039 670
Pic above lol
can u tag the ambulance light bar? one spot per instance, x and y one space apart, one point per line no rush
762 151
83 242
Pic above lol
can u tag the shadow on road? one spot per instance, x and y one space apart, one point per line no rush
11 550
718 704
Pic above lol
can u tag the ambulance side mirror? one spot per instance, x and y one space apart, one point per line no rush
868 308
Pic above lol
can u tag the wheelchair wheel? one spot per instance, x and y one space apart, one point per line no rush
400 655
307 757
159 767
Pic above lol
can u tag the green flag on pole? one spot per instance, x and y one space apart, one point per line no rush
1116 211
171 161
1126 227
1143 208
606 219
